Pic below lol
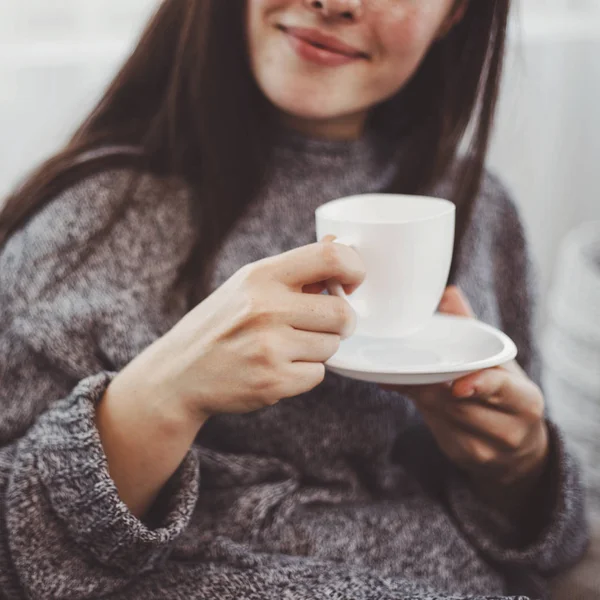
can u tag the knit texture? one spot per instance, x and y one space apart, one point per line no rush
339 493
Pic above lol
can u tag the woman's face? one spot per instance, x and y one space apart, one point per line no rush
330 92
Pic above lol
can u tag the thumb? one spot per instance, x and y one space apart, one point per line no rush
455 303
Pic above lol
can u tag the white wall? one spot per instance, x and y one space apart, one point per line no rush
547 139
56 56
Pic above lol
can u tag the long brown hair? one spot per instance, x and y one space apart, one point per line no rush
187 98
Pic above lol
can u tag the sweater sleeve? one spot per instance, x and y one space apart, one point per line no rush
64 532
561 531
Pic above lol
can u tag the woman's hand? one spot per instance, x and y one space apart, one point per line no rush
258 338
490 423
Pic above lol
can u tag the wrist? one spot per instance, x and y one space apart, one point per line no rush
531 465
513 490
139 389
145 439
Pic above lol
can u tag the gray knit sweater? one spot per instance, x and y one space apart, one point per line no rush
339 493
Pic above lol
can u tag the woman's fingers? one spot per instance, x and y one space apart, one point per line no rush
505 431
500 389
470 443
301 378
307 346
319 287
454 302
502 429
320 313
489 423
463 447
468 415
503 389
315 263
314 288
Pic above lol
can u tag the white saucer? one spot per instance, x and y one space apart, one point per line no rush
446 349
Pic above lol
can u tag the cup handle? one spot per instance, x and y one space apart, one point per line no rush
335 288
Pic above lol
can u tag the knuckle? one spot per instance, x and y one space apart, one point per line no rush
331 255
482 454
261 383
262 351
257 310
343 312
311 379
361 271
537 412
319 374
273 397
266 352
265 385
255 275
536 409
251 272
334 345
513 440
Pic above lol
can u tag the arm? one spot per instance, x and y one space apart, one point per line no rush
128 416
61 341
550 501
223 356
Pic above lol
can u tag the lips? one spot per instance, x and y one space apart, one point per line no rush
323 41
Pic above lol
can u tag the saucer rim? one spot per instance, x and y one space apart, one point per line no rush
509 352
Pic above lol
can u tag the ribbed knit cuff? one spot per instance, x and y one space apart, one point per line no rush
563 535
9 584
64 454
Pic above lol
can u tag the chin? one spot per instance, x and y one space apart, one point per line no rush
309 105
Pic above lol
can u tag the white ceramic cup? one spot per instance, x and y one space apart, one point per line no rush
406 243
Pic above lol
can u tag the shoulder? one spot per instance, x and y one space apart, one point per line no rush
495 212
514 270
495 205
96 203
497 229
121 216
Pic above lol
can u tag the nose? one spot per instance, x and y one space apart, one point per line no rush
349 10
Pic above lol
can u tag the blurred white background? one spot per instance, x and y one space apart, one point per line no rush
56 56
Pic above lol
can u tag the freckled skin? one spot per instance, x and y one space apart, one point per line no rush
396 34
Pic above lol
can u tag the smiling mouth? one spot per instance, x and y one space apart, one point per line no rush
326 48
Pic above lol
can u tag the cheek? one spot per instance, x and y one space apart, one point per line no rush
405 33
266 5
261 16
258 10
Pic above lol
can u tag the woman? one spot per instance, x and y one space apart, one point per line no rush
168 430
